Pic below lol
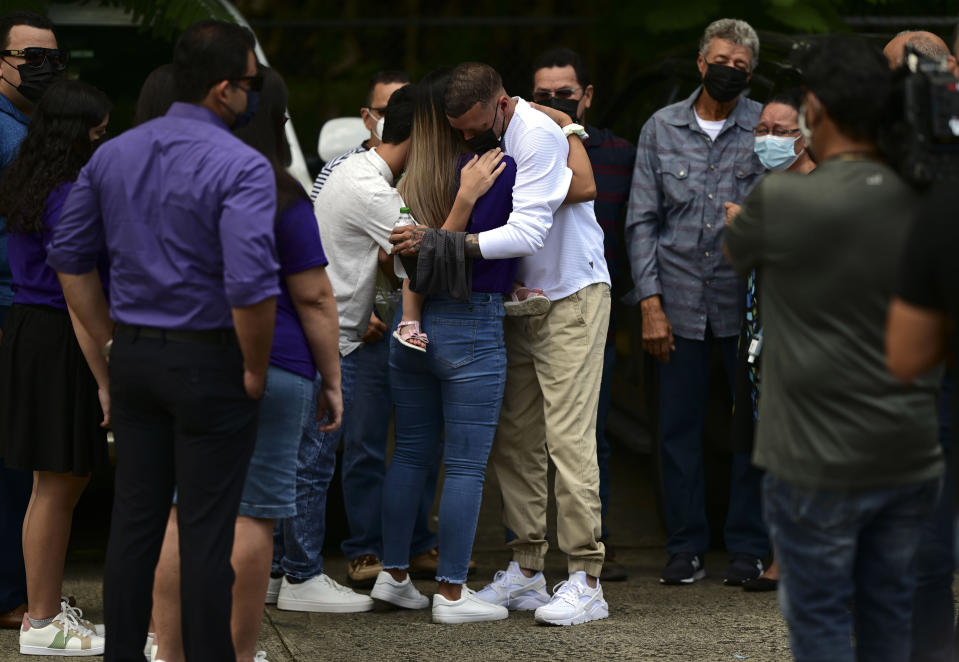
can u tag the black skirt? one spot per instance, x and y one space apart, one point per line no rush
49 410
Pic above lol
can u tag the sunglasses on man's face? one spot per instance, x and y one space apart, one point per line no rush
540 96
35 55
256 81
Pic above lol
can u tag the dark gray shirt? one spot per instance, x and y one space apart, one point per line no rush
828 246
675 216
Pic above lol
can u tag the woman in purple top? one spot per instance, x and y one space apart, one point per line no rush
53 408
304 343
456 387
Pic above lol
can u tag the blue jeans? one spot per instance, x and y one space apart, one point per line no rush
287 408
365 430
933 623
847 567
684 393
603 451
459 382
298 540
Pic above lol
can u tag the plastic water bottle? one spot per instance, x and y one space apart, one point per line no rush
403 265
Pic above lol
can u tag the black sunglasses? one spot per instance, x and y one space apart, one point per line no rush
562 93
256 81
35 55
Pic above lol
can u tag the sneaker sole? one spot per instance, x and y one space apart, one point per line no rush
596 613
43 650
287 604
399 601
457 619
686 581
527 307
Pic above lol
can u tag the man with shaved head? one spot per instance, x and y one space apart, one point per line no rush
932 617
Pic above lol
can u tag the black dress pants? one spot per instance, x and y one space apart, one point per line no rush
181 418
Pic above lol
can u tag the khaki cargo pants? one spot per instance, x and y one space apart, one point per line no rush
554 369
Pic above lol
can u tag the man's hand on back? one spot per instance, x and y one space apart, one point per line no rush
657 331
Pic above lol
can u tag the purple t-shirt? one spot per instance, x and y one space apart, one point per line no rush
34 282
299 248
186 211
492 211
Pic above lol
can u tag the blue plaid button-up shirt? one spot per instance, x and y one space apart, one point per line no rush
675 217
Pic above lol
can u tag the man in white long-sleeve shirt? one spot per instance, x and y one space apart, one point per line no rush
554 359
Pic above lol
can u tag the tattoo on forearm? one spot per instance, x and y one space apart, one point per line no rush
472 246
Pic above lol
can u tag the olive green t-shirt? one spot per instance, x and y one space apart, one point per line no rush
828 246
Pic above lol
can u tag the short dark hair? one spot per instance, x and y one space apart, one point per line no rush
384 78
209 52
471 83
851 77
21 17
563 57
791 97
157 94
398 120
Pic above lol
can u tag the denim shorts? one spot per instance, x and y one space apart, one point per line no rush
270 488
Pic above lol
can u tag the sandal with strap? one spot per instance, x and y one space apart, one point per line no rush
526 301
413 333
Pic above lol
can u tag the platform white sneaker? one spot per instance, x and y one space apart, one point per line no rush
468 609
512 589
573 603
402 594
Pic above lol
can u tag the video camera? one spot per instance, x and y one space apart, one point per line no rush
928 149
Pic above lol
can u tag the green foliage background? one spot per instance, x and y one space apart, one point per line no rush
327 49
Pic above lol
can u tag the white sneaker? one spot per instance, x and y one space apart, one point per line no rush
273 590
402 594
65 607
512 589
321 594
148 647
574 602
64 636
468 609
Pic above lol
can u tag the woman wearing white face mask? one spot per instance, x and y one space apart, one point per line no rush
780 146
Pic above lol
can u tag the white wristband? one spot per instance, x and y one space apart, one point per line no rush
575 129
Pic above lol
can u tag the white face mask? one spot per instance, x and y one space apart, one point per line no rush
378 129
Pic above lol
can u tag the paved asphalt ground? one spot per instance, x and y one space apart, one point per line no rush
706 621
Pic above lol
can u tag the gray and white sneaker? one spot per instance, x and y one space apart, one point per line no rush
512 589
574 603
468 609
273 590
321 594
402 594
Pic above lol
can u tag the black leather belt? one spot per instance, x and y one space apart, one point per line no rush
209 337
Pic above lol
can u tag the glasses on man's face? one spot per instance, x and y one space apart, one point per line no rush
35 55
779 132
540 96
255 81
380 111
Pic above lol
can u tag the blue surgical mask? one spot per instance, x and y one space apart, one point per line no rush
776 152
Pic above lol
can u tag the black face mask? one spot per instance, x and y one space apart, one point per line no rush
568 106
487 140
34 81
724 83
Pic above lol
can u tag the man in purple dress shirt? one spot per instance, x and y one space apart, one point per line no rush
186 212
